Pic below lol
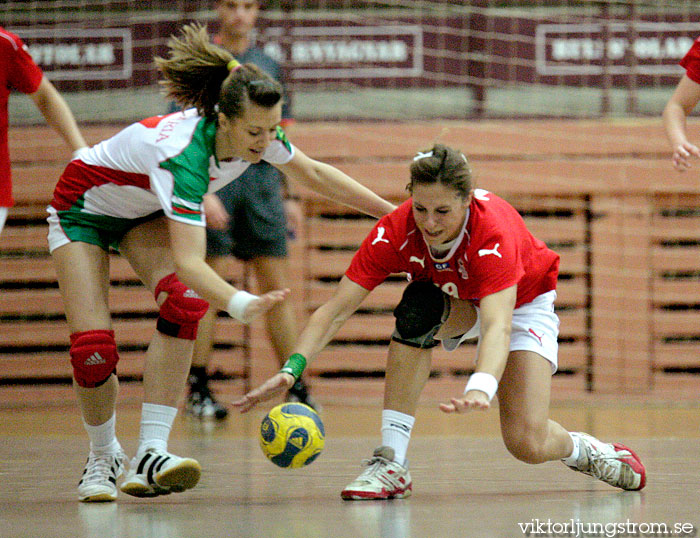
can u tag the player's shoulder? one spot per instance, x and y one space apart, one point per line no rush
178 129
488 203
398 218
392 228
491 215
9 41
693 54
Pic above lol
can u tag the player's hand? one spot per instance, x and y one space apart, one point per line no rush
280 382
217 216
263 303
472 400
683 154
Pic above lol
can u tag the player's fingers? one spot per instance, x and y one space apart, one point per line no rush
243 404
447 408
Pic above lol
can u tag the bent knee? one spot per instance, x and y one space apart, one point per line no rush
181 310
527 445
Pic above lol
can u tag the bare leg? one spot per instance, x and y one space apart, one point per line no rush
166 369
523 396
205 332
83 277
168 359
407 371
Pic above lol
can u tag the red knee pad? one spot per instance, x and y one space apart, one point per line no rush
180 313
94 357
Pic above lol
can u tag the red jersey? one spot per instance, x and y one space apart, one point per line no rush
494 251
17 72
691 62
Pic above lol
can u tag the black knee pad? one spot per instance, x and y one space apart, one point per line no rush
420 314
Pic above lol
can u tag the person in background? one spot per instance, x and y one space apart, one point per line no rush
682 102
251 219
19 72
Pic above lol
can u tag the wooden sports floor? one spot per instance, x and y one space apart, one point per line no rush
465 483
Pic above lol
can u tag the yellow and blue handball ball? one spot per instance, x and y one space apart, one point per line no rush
292 435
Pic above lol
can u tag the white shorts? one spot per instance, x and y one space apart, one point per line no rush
535 328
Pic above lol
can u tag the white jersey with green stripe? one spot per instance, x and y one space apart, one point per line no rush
163 162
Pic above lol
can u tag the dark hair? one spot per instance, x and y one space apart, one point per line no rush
200 74
443 165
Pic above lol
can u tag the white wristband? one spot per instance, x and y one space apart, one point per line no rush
238 303
484 382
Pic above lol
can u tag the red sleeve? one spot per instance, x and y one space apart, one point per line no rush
376 259
22 73
691 62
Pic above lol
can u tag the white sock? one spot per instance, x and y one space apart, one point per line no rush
396 433
572 459
156 422
103 437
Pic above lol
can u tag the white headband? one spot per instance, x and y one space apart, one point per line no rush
422 155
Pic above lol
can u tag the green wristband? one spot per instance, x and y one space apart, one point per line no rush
295 365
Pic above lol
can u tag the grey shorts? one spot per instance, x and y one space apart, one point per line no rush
257 225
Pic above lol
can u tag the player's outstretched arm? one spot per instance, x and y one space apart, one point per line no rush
323 324
188 244
335 185
278 383
494 343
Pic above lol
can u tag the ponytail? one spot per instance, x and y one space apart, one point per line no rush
202 75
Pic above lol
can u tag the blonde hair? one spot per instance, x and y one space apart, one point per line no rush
200 74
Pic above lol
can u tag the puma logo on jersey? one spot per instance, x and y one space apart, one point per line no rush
94 359
494 251
421 261
380 236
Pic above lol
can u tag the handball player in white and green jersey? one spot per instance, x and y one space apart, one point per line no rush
141 192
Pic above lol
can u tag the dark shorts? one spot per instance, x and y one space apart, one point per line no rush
257 225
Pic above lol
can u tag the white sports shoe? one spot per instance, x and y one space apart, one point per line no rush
159 473
613 463
99 480
382 479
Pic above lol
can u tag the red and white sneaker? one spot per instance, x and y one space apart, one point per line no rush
382 479
613 463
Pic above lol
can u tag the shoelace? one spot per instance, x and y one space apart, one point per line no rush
602 468
373 466
99 467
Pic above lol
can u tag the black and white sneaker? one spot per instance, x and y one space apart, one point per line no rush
99 480
159 473
202 404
